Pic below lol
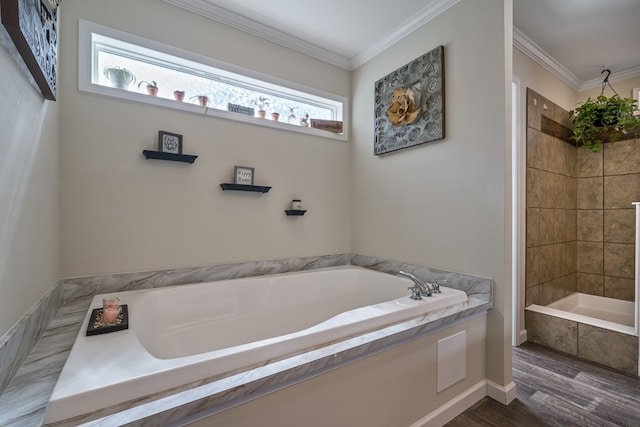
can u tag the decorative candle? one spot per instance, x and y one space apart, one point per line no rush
110 315
296 204
110 309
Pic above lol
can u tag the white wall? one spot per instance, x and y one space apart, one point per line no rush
123 213
29 190
443 204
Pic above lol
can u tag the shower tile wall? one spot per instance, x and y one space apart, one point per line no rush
608 182
579 218
551 217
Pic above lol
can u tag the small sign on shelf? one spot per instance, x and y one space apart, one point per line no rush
334 126
243 175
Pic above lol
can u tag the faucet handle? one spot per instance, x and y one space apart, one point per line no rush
436 285
415 293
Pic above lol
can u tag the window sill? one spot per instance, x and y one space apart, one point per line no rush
126 95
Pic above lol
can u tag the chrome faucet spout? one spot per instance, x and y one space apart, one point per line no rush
425 289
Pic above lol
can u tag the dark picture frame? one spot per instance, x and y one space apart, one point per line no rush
409 104
33 27
169 142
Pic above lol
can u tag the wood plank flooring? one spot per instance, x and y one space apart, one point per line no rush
554 389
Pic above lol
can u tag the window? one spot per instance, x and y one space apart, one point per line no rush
230 90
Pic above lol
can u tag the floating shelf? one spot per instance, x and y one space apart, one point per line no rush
296 212
242 187
161 155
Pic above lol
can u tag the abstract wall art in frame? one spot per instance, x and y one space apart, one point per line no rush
409 104
33 27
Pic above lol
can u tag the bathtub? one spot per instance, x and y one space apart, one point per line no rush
188 334
602 312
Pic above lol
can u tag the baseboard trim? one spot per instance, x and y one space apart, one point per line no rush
522 336
503 394
454 407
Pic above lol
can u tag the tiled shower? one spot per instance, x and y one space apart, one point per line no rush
580 233
580 217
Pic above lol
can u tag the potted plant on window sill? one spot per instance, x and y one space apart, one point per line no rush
203 99
262 102
119 77
603 119
178 95
152 87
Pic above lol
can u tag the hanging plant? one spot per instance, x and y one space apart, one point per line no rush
604 119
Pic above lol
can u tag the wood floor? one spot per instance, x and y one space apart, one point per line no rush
558 390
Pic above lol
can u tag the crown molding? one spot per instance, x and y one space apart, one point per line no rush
434 9
535 52
208 10
216 13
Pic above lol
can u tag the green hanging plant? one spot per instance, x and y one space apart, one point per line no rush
604 119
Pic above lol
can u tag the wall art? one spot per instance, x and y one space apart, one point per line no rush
169 142
409 104
33 27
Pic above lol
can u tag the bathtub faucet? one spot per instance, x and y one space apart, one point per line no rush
421 289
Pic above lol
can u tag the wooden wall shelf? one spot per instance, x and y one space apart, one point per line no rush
242 187
161 155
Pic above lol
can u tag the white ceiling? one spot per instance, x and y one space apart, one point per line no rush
574 39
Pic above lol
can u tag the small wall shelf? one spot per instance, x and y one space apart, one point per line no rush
242 187
296 212
161 155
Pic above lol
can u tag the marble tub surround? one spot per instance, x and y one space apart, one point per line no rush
37 377
474 286
24 401
210 396
180 335
81 287
17 343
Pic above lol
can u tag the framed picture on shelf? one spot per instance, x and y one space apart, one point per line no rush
169 142
243 175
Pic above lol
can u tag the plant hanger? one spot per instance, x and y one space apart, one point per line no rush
606 83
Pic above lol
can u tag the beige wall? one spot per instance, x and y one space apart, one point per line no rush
123 213
28 190
443 204
533 75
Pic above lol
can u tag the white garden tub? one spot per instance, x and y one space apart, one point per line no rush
182 334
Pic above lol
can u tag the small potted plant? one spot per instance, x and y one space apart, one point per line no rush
275 116
291 118
119 77
152 87
262 102
178 95
203 99
602 119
